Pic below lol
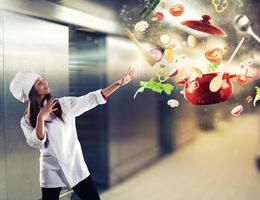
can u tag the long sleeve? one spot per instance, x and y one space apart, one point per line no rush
79 105
31 136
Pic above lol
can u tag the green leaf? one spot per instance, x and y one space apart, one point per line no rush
214 66
167 88
257 96
155 87
143 83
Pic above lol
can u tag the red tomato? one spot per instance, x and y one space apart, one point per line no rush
159 16
177 10
214 55
242 79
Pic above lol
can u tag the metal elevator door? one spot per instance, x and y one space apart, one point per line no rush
87 61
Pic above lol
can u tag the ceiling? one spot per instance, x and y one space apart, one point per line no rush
127 13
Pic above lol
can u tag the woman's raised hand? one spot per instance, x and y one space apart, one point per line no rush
127 77
48 108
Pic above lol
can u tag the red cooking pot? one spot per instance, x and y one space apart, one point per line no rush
197 91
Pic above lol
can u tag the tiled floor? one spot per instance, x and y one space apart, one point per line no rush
218 165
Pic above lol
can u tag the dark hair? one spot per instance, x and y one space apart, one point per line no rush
34 107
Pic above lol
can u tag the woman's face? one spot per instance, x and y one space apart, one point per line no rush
41 86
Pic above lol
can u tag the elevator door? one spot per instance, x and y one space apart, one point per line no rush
87 60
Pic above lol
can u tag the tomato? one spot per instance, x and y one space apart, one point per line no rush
214 55
242 79
177 10
159 16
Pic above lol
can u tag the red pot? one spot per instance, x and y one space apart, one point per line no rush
197 92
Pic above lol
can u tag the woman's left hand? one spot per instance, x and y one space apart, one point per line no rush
127 77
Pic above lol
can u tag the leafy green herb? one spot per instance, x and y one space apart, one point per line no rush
213 67
257 96
154 86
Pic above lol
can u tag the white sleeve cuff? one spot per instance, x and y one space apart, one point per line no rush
100 98
31 136
35 142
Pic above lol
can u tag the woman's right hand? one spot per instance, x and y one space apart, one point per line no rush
48 108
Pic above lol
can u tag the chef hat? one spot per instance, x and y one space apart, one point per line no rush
22 83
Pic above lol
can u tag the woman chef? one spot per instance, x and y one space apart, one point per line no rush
49 125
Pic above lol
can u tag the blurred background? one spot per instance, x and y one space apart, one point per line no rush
135 148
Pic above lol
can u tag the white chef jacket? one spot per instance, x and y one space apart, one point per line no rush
61 160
